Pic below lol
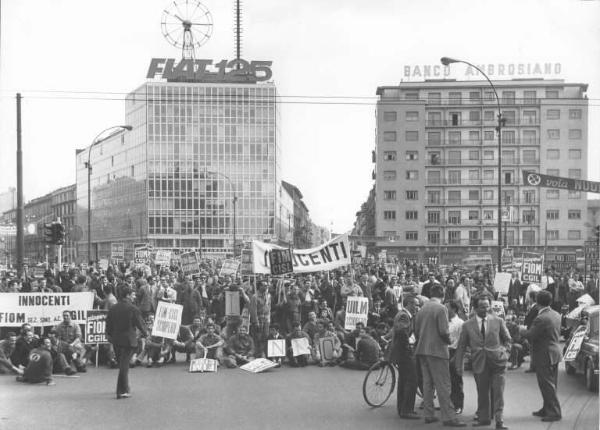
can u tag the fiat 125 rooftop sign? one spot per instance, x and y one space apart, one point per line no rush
190 70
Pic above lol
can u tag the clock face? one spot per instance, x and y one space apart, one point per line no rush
186 23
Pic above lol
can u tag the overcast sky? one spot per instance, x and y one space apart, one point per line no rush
319 48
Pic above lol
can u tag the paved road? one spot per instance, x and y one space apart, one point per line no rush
287 398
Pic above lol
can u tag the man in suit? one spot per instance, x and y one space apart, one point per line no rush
488 338
402 354
514 291
121 323
545 355
433 338
426 289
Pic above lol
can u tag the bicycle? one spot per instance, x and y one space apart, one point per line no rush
379 383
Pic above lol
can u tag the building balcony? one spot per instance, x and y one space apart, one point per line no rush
529 101
480 162
479 142
441 203
510 122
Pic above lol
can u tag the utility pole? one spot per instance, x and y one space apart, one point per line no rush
20 232
58 251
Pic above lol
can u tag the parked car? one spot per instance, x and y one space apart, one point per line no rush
586 361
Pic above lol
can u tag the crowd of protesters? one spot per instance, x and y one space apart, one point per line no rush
312 306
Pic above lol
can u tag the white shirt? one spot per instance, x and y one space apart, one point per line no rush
454 326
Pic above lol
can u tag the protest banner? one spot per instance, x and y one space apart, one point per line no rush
117 251
300 346
326 349
103 264
141 253
329 256
202 365
391 268
259 365
382 256
276 348
280 261
229 267
167 320
189 263
502 282
232 303
246 319
498 308
539 180
95 327
507 259
363 250
532 268
38 272
246 266
562 262
43 309
574 345
162 257
357 310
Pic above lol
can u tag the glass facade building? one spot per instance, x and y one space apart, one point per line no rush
172 180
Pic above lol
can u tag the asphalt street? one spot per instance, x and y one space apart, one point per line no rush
308 398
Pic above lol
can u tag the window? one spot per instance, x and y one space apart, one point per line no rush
473 194
528 217
489 96
574 195
574 133
412 235
389 215
553 154
433 237
454 157
508 97
411 96
574 113
412 115
455 118
122 139
434 118
474 137
508 157
574 154
574 234
489 115
553 133
529 97
389 155
132 171
529 196
488 135
433 177
434 138
454 177
455 98
574 214
435 158
575 173
454 237
488 155
389 136
412 195
488 194
454 217
528 237
474 116
488 235
390 116
412 175
509 137
389 233
433 196
553 114
474 155
453 197
112 161
529 137
529 156
454 137
474 175
552 194
474 237
551 94
389 175
433 217
510 116
412 136
473 215
434 98
389 195
508 196
412 155
412 214
529 117
488 215
475 97
553 172
488 175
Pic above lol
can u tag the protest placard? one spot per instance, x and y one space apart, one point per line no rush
276 348
258 365
43 309
391 268
163 257
246 319
357 310
326 349
329 256
117 251
502 282
532 268
574 345
189 263
167 320
246 266
141 253
498 308
202 365
280 261
232 303
229 267
103 264
300 346
507 259
95 326
38 271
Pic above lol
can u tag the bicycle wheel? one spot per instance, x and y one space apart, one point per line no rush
379 383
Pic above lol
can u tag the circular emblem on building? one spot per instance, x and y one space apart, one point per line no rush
534 179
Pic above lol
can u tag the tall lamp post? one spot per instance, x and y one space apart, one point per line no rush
447 61
234 206
115 129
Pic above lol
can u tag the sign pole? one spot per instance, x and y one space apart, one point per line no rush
97 351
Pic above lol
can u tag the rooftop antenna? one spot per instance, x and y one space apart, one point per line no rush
238 32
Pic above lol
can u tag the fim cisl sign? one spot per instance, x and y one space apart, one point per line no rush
547 181
204 71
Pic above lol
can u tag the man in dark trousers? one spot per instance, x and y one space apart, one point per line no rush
489 341
121 322
545 355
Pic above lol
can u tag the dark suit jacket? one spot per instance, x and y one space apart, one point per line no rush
543 337
121 322
491 352
403 328
514 289
432 331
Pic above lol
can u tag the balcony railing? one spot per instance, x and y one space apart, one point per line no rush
468 162
478 123
478 142
486 102
478 202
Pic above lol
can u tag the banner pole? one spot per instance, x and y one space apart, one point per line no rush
97 351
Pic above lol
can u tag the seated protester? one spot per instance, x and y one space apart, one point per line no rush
324 312
374 316
351 342
197 328
70 332
380 335
141 352
274 335
60 350
39 365
26 342
297 333
328 332
158 350
310 328
210 344
239 349
184 343
517 350
7 347
367 352
320 333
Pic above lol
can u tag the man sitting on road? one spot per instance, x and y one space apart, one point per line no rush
210 345
26 342
39 367
70 332
7 347
366 354
239 349
60 350
297 333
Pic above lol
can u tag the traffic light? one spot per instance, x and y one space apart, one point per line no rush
49 233
59 234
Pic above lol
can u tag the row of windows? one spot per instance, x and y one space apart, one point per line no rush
455 236
507 96
455 157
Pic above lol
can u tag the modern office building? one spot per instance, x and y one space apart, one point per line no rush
194 150
437 166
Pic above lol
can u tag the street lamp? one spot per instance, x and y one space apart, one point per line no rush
447 61
115 129
234 205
